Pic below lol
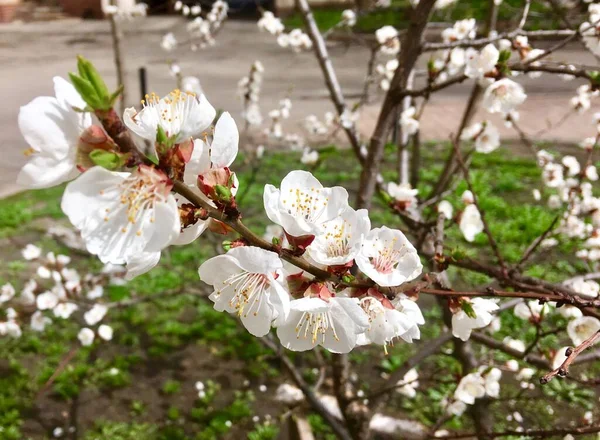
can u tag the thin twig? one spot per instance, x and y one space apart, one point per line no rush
486 227
571 354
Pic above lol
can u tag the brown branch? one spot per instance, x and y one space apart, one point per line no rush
571 354
411 49
480 42
329 75
535 244
340 431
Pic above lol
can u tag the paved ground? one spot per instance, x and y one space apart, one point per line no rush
31 54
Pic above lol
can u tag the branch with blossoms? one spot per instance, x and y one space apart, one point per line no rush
325 277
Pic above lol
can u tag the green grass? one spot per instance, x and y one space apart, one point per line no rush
399 15
168 344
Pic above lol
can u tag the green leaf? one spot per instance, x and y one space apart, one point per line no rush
223 193
86 90
89 72
115 95
107 159
468 309
504 56
161 136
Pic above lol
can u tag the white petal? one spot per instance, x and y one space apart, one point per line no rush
224 147
140 264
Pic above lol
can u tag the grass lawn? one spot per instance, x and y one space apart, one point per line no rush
141 385
398 15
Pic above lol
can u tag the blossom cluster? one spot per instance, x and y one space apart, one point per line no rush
201 30
296 39
249 89
127 213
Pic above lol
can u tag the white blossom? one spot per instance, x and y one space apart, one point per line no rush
39 321
95 314
123 216
105 332
409 384
302 204
31 252
470 387
387 37
52 127
340 239
169 42
463 324
7 292
334 323
388 258
445 207
181 116
470 222
86 336
245 283
64 310
483 62
582 328
503 96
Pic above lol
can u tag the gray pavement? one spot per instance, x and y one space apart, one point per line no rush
31 54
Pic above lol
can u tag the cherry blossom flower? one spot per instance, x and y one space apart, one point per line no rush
169 42
105 332
39 322
181 116
10 328
559 357
488 139
403 194
503 96
492 382
340 239
388 321
445 207
470 387
309 157
388 258
515 344
530 309
587 288
408 123
483 62
463 324
124 8
95 314
7 292
268 22
470 222
582 328
220 153
409 384
122 215
334 323
302 204
31 252
64 310
349 17
245 283
52 127
387 37
47 300
86 336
